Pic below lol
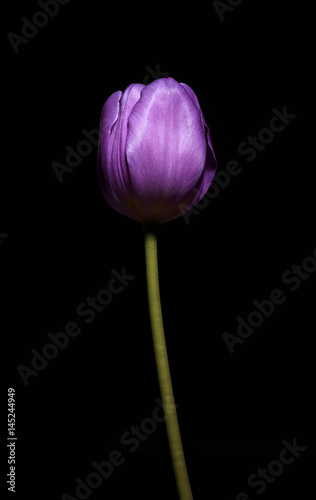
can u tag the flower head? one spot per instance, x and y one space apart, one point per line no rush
155 151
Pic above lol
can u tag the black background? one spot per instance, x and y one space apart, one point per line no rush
63 240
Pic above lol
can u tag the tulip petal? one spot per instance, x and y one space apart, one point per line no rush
166 146
108 120
199 190
210 163
120 175
112 168
195 100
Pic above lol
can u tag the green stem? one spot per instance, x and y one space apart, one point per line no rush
165 383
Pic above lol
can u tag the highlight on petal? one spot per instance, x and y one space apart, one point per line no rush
166 146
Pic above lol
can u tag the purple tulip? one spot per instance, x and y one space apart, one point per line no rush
155 151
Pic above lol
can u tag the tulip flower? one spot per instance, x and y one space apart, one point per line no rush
155 151
155 154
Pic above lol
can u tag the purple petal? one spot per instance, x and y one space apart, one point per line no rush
112 168
197 193
195 100
166 146
210 163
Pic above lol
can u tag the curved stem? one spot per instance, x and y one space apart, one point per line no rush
165 383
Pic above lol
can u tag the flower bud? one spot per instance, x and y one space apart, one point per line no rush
155 151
